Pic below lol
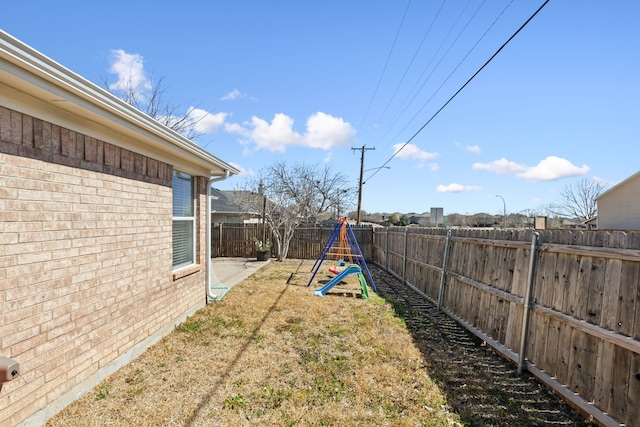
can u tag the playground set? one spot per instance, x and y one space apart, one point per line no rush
343 248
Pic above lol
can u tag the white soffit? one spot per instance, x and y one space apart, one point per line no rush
30 81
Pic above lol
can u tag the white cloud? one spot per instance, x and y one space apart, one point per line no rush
473 149
412 152
207 122
274 136
553 168
501 167
549 169
243 171
322 131
457 188
131 77
203 121
130 71
434 167
237 129
325 131
234 94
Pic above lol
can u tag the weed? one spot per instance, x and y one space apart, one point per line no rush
235 402
221 323
292 325
308 355
393 409
329 388
259 337
236 320
275 397
102 391
136 391
336 331
400 309
137 377
286 369
190 326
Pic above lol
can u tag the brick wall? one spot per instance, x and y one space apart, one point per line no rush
86 280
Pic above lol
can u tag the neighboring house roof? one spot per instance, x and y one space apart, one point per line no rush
620 184
30 81
223 202
228 202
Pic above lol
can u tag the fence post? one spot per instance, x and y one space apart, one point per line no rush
386 250
444 270
527 301
404 258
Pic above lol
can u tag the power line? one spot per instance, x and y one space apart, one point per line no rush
385 65
451 73
462 87
424 38
442 58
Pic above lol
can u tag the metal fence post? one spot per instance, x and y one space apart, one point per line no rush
444 270
386 250
404 258
526 315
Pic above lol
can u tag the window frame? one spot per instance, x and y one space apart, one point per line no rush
182 219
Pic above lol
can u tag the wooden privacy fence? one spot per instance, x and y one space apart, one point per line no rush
561 304
237 240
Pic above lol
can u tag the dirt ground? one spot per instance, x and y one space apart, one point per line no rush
272 353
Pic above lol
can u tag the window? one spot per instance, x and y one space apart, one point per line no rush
184 220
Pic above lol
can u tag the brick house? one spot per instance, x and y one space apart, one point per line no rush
104 232
619 206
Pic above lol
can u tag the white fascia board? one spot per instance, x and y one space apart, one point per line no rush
32 81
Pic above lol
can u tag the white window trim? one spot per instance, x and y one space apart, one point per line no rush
193 225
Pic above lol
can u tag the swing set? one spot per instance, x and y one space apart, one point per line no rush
343 248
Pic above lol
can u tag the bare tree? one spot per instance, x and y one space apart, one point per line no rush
293 195
150 99
579 199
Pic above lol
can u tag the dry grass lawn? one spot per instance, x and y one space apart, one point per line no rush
271 353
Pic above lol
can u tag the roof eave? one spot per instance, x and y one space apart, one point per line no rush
32 73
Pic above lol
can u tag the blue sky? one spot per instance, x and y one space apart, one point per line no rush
308 81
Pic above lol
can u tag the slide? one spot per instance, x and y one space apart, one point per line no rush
363 286
350 269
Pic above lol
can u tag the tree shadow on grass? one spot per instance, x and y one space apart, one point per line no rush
481 387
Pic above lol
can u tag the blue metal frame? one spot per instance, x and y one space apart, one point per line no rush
353 246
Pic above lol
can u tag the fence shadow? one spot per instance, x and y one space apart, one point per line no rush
480 386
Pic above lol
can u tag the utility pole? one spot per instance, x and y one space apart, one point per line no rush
362 150
504 211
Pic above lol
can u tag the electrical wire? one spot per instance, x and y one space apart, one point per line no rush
453 43
460 89
388 103
451 73
385 65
